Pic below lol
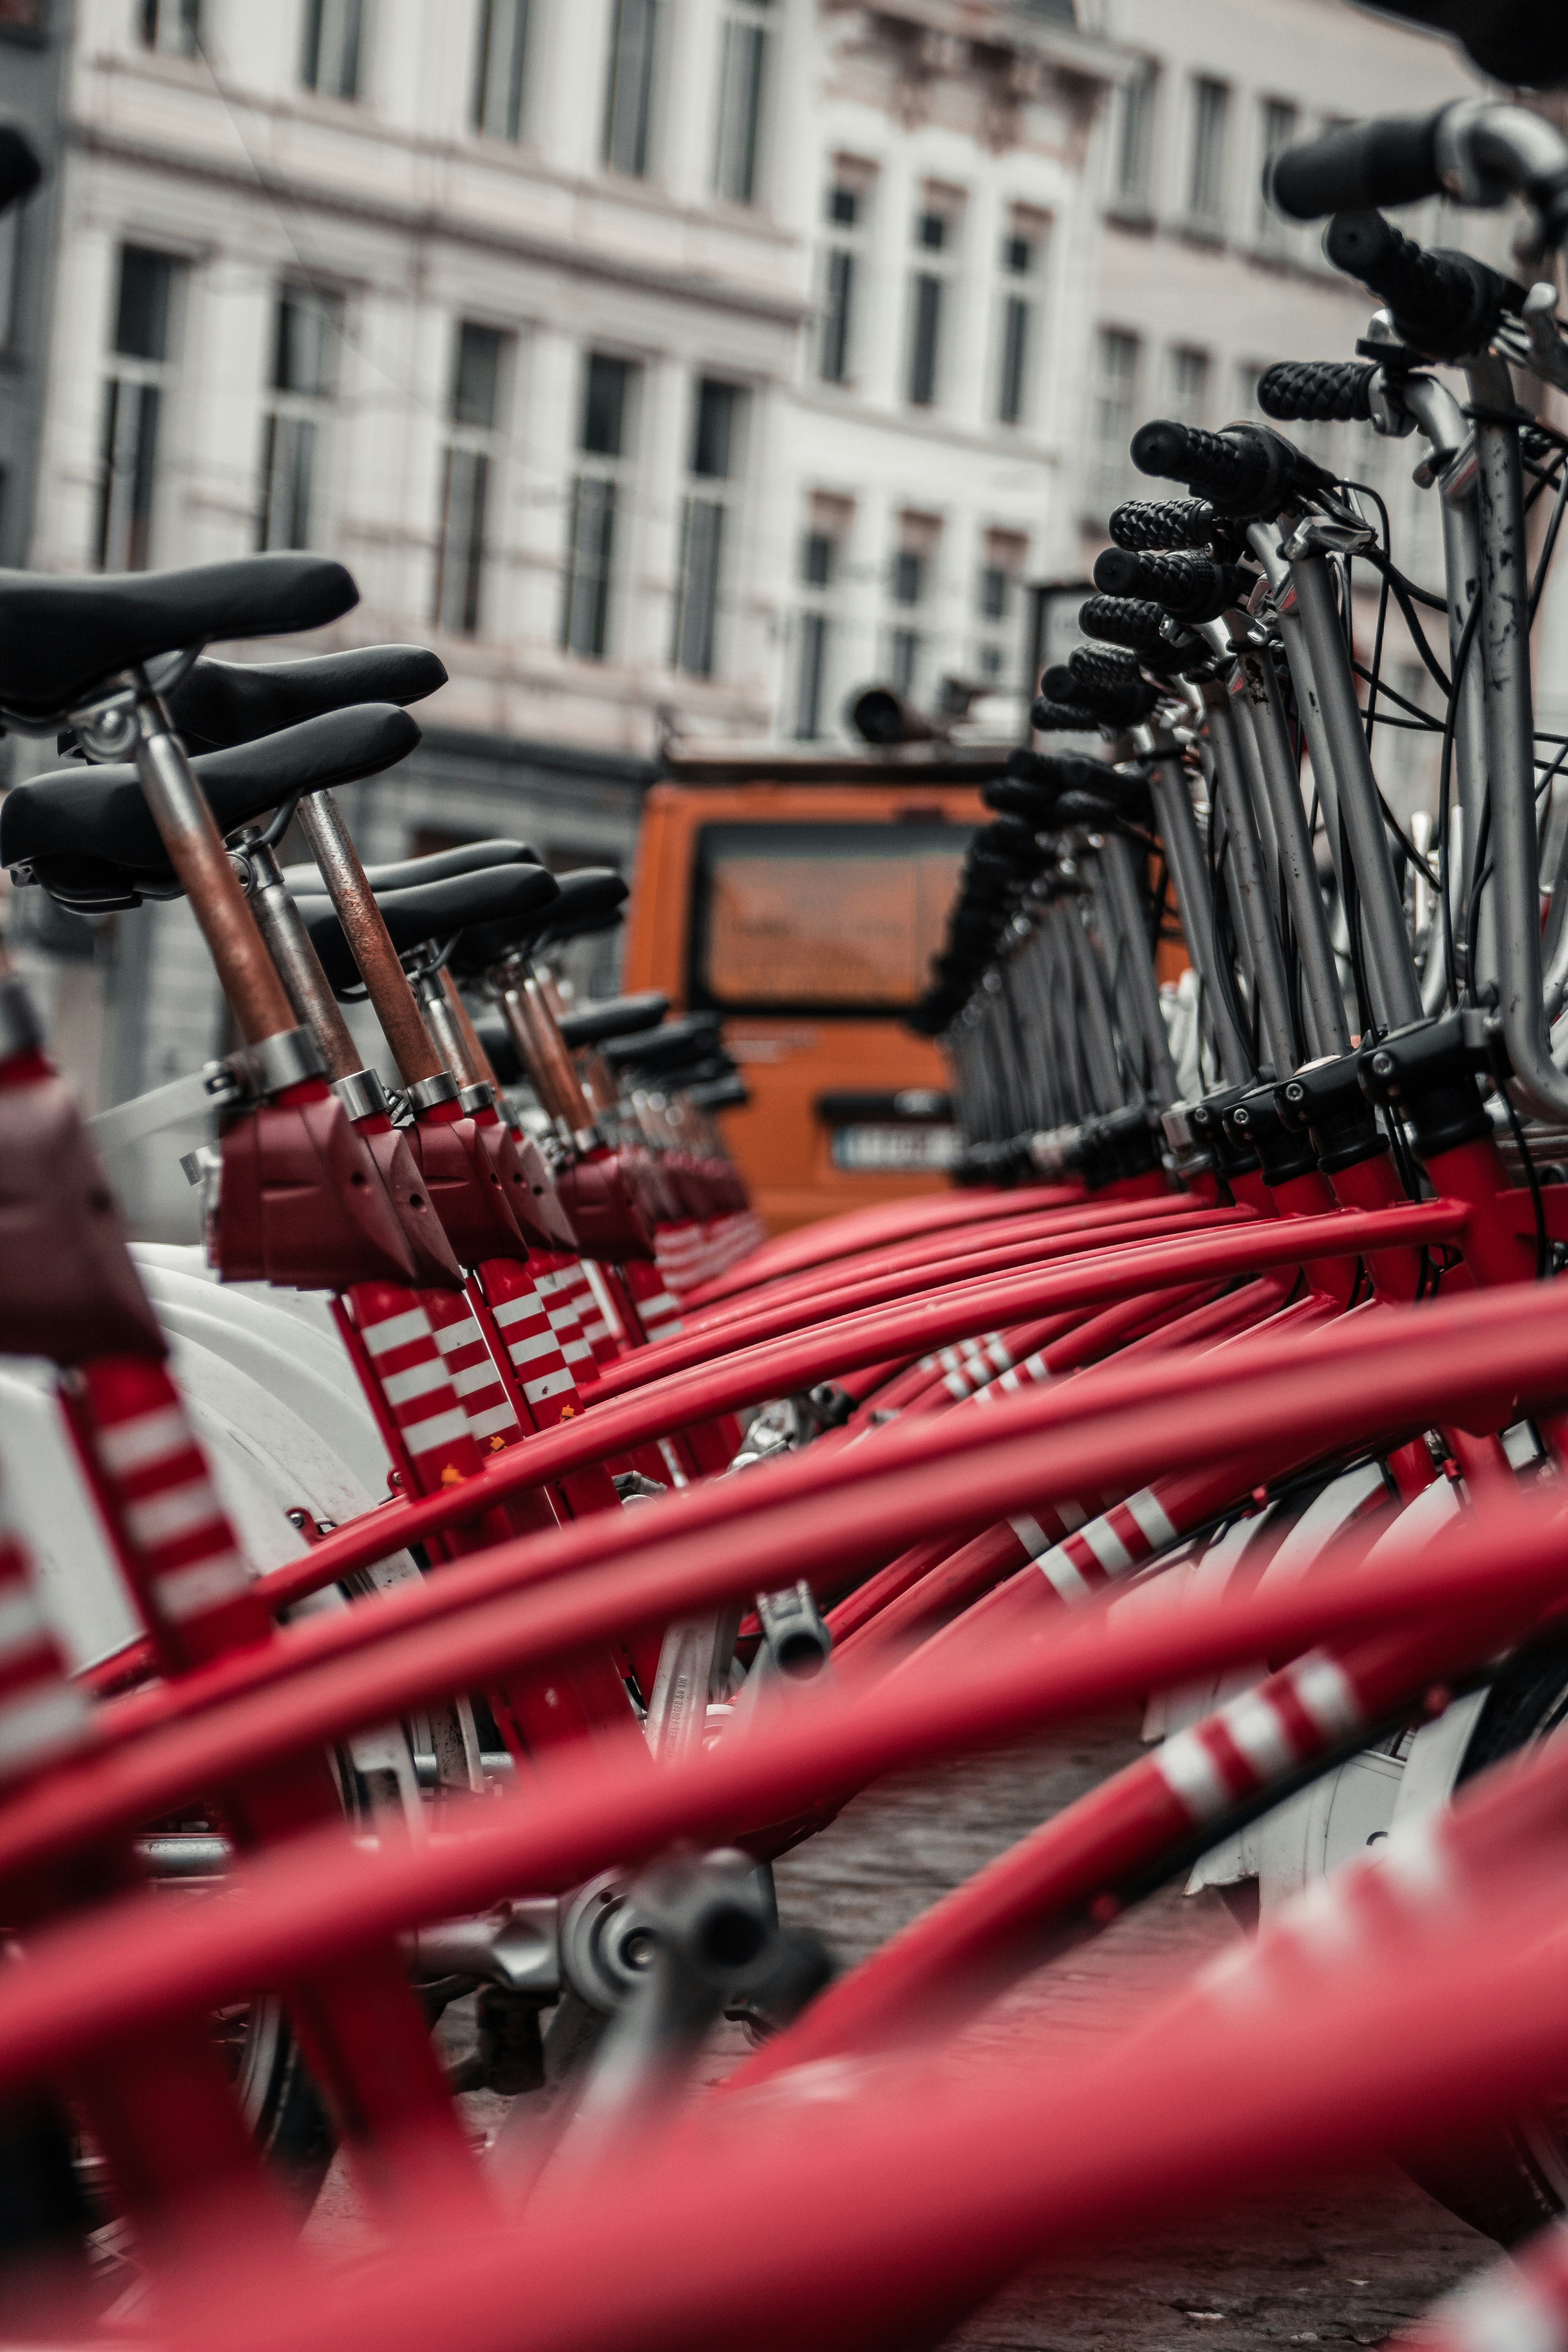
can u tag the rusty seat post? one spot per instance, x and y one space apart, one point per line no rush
189 833
418 1057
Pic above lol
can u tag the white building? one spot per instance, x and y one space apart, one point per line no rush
668 364
1199 287
942 188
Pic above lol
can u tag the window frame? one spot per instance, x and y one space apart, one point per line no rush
599 477
470 461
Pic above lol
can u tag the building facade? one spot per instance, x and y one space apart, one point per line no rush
671 366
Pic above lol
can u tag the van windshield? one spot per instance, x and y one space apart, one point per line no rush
821 917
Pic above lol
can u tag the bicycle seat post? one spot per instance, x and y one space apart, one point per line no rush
186 823
386 983
297 964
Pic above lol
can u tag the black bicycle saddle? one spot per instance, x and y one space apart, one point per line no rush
226 702
589 900
616 1016
411 873
87 836
436 910
664 1047
62 640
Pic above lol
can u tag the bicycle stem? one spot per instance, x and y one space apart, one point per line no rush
1510 738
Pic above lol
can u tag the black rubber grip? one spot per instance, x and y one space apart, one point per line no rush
1442 302
1047 718
1326 391
1244 470
1163 522
1119 702
1389 161
1189 587
1093 666
1130 621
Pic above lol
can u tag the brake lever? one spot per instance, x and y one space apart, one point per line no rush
1544 351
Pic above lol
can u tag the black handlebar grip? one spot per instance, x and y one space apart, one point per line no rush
1122 698
1247 470
1098 666
1134 622
1048 717
1189 587
1442 302
20 170
1390 161
1327 391
1163 522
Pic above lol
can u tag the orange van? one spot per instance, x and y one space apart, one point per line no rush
801 896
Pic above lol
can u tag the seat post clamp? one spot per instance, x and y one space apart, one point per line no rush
275 1064
362 1094
426 1093
477 1097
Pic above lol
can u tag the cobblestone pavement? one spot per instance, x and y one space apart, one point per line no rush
1346 2262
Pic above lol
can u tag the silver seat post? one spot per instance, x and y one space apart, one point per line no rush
1397 994
1178 830
1513 844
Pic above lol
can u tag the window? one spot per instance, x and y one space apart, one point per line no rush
821 917
330 61
479 363
828 525
911 571
602 441
628 92
1277 127
1187 384
1134 148
132 403
499 62
741 72
307 332
846 208
1205 180
998 602
715 450
1022 248
175 25
936 242
1112 418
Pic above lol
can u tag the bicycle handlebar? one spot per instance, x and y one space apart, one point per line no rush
1245 470
1134 622
1190 587
1392 159
1475 150
1443 302
1324 391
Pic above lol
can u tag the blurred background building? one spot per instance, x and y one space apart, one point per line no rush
672 366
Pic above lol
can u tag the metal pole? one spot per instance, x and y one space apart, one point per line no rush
1265 708
1183 848
1361 814
1504 643
1254 914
